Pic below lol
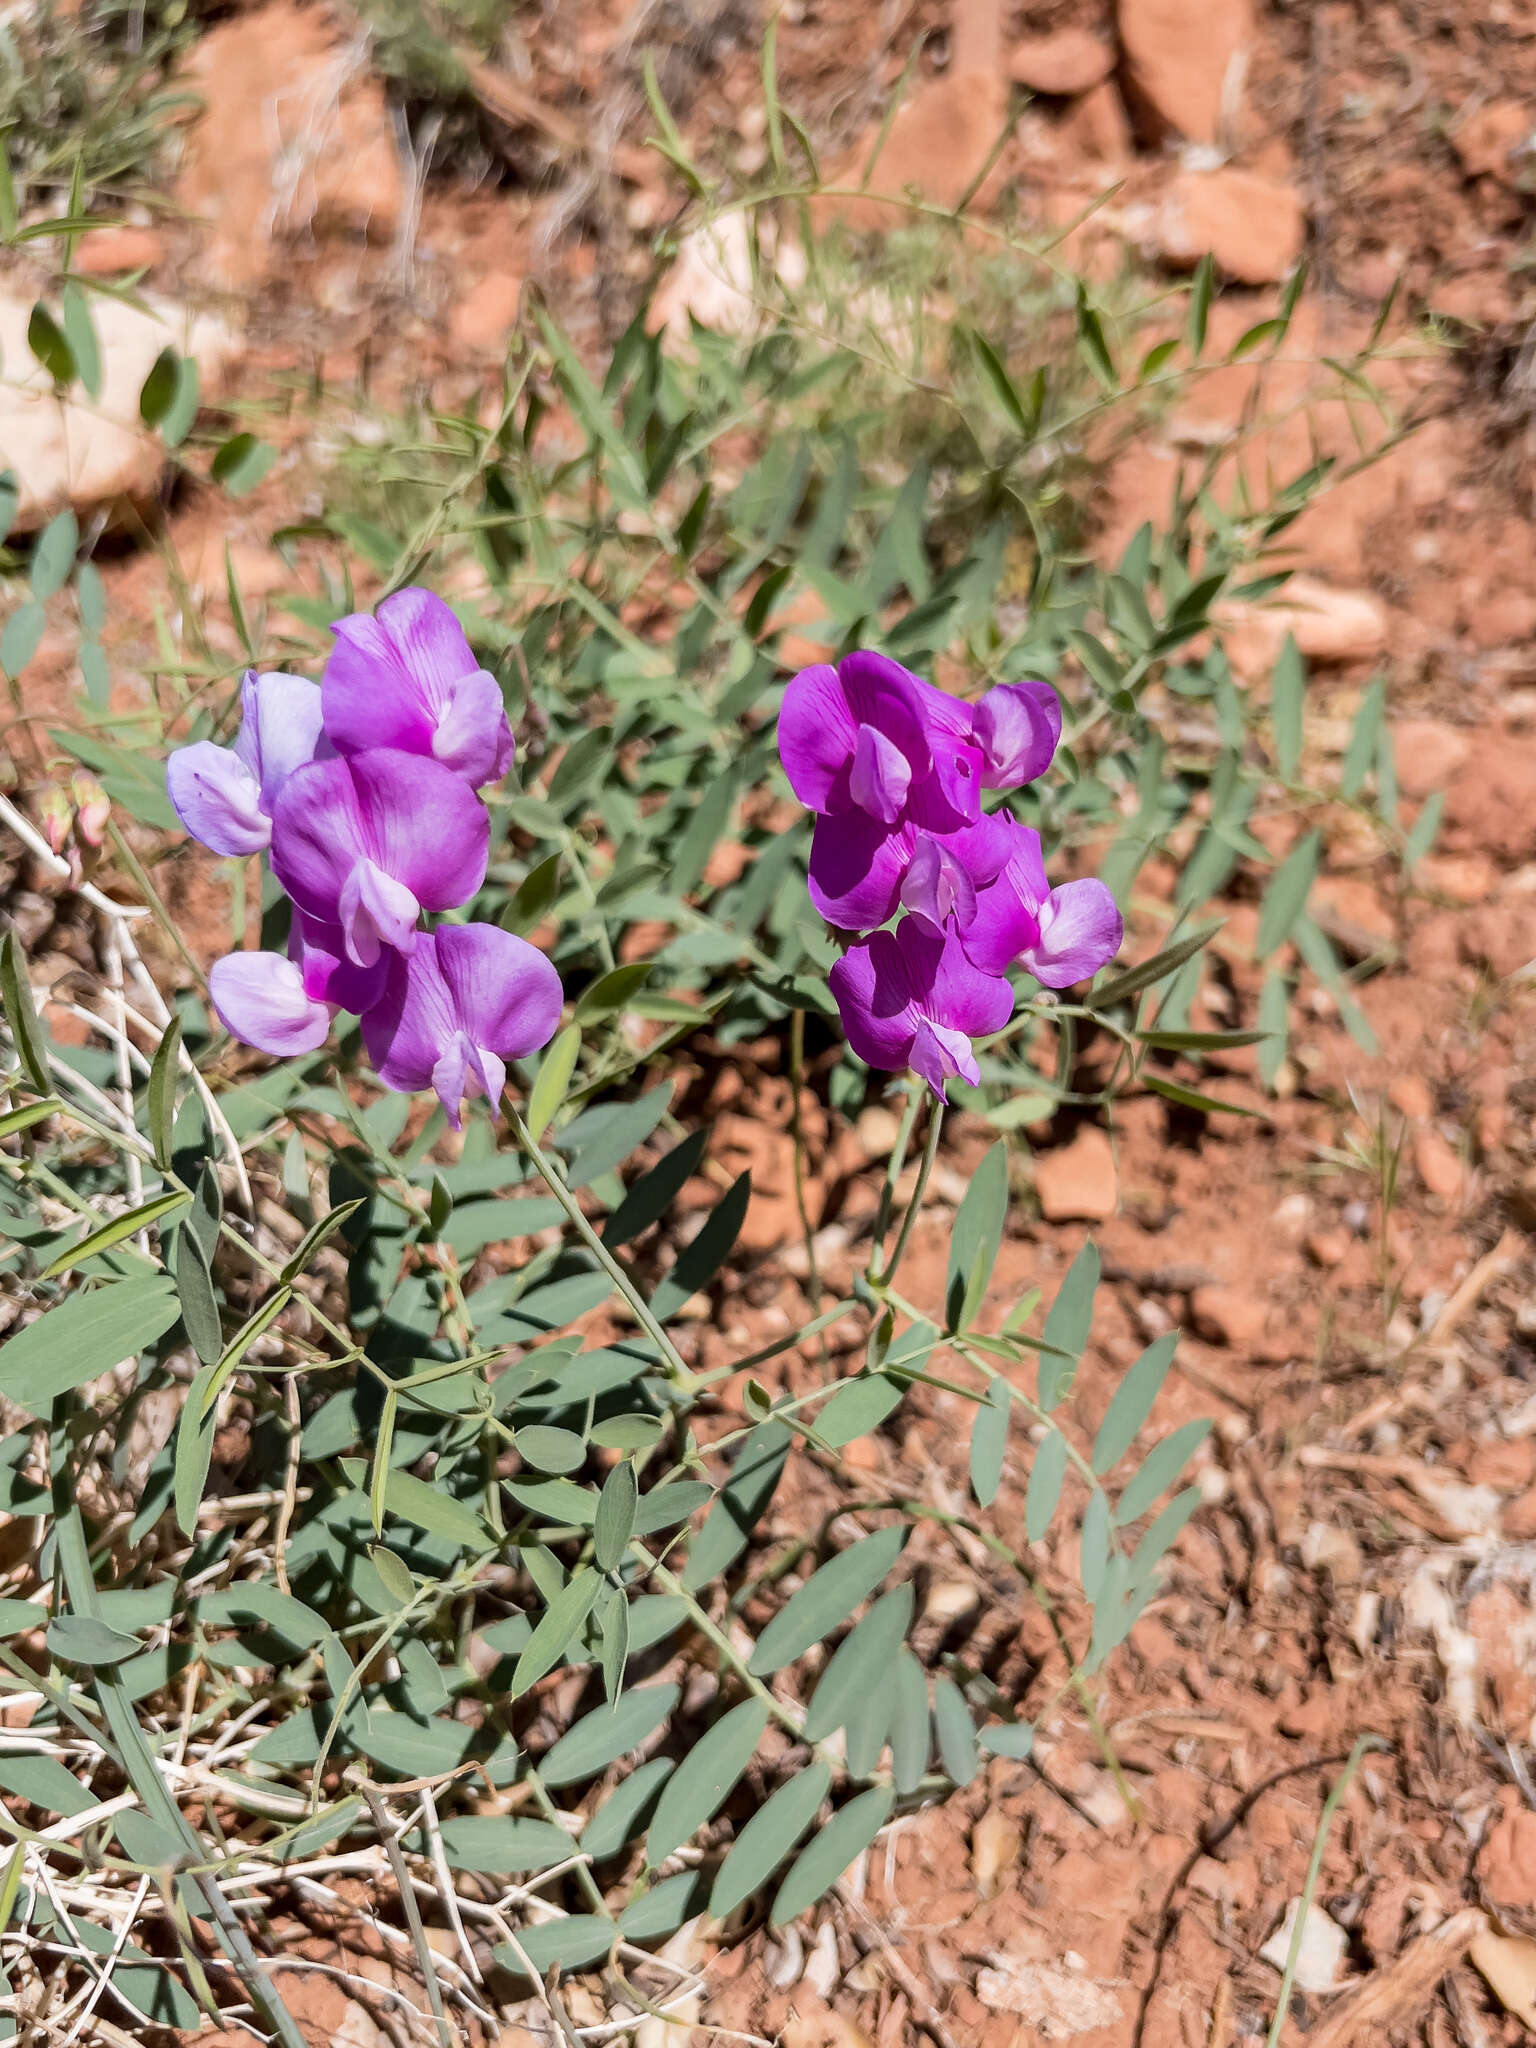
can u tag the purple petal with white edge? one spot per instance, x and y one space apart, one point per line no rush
819 724
506 995
855 870
942 1054
408 679
218 799
473 737
1006 923
376 914
937 884
282 727
1080 932
879 1031
329 976
260 999
879 775
1018 727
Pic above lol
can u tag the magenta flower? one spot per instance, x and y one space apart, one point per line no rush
1060 936
1017 728
854 737
406 678
911 998
285 1004
224 795
861 871
470 998
367 844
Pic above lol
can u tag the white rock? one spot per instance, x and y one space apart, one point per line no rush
81 451
713 279
1320 1965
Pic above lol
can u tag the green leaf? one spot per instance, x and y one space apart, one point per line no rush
857 1670
622 1814
21 1015
195 1430
80 334
549 1449
955 1730
704 1779
23 632
1425 827
600 1738
1161 964
1132 1403
258 1600
1044 1491
46 340
176 423
197 1297
394 1573
318 1233
413 1500
911 1723
741 1502
768 1838
162 1093
1274 1022
552 1080
857 1408
30 1113
241 463
159 388
9 218
600 1140
1158 1470
702 1258
1361 751
1067 1327
1286 896
576 1941
977 1234
614 1654
580 764
989 1442
82 1337
837 1845
1001 383
654 1192
826 1599
383 1444
91 597
502 1845
1091 339
109 1234
535 897
1014 1739
609 994
664 1908
557 1629
614 1523
53 555
1194 1098
1287 694
1200 294
1163 1533
44 1781
81 1639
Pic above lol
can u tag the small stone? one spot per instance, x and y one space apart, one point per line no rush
1463 877
1184 63
1518 1521
1078 1183
1409 1094
1063 64
1330 627
1324 1944
1428 751
877 1131
110 251
1439 1165
1252 227
996 1843
1328 1248
483 318
1506 1863
1228 1315
1491 143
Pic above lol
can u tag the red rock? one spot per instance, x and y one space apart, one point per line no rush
1506 1863
1507 619
1355 906
294 136
1078 1183
1501 936
1439 1165
1063 64
483 318
1494 139
1410 1094
1329 626
111 250
1428 752
1328 1248
1184 63
1518 1521
1506 1463
1097 127
1464 877
1229 1315
1252 226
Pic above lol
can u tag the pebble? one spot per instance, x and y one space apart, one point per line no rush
1439 1165
1328 1248
1063 64
1078 1183
1182 59
1319 1967
1227 1315
1409 1093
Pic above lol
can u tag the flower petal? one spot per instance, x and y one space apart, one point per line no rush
260 999
506 995
329 976
960 995
282 727
472 736
856 868
879 775
218 798
879 1033
408 679
375 913
412 1024
817 734
1080 932
942 1054
1018 726
1006 923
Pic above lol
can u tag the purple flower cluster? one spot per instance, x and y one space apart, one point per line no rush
894 770
361 790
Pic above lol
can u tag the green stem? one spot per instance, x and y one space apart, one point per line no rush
545 1169
1363 1744
137 1760
898 1160
797 1134
930 1153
